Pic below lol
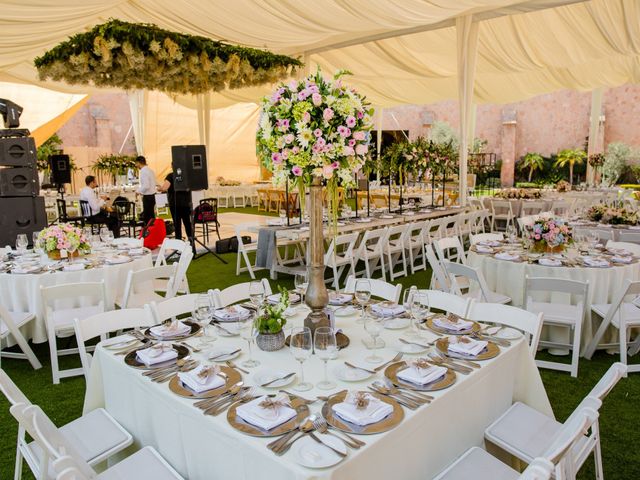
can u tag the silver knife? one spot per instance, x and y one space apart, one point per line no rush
288 375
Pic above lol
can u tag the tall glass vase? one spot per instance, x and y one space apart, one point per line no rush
317 296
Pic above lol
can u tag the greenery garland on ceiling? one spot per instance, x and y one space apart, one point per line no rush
143 56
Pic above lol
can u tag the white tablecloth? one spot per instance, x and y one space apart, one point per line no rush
508 278
21 293
205 447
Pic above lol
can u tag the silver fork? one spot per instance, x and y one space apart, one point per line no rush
240 396
321 425
397 358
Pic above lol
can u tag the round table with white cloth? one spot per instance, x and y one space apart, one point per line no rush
508 278
21 292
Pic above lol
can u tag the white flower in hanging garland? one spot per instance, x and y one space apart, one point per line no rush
142 56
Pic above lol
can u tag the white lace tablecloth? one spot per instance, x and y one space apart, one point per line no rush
21 292
508 278
427 440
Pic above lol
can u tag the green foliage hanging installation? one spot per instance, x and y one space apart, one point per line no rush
143 56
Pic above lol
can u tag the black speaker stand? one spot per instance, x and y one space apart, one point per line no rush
193 240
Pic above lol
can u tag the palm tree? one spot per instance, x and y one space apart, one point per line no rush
570 157
532 161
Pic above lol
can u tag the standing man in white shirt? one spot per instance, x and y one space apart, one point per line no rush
147 189
98 213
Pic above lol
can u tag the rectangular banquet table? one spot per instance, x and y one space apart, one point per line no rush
423 444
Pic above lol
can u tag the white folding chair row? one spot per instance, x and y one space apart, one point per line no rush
439 278
532 208
569 315
634 248
340 256
458 272
501 210
525 433
394 250
371 252
379 289
10 324
140 286
414 245
450 248
485 237
62 305
94 449
236 293
67 459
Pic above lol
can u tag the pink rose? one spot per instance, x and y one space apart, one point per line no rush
360 115
306 118
344 131
316 98
362 149
327 114
289 138
359 135
327 172
296 170
351 121
348 151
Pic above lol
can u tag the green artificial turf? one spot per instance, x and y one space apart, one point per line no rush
619 421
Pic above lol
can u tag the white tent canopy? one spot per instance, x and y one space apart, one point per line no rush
400 51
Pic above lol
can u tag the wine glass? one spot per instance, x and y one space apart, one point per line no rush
362 295
110 237
420 310
324 343
301 283
373 326
37 245
202 314
301 347
22 242
511 233
248 331
256 294
104 235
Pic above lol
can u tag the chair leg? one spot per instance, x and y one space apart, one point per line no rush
53 350
597 456
17 474
26 349
591 348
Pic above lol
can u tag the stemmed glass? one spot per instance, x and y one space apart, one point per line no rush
325 346
373 327
362 296
301 347
202 314
22 242
104 235
37 247
256 294
420 309
301 283
511 233
248 331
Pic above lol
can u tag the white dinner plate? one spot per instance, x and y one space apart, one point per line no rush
396 323
230 329
507 333
348 374
311 454
121 341
226 353
268 374
411 348
346 311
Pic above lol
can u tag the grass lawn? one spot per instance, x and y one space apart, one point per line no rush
620 415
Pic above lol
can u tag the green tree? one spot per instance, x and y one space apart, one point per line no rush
533 162
570 157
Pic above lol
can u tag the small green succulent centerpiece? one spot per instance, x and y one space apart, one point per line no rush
271 322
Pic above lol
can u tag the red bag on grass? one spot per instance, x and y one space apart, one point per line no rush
154 233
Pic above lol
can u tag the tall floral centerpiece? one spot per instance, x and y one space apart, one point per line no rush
63 240
314 131
549 234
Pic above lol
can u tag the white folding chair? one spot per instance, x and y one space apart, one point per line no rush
634 248
10 323
62 304
394 250
339 256
560 208
566 315
470 274
379 289
140 286
169 248
439 278
625 316
525 222
485 237
449 226
100 324
450 248
370 252
501 210
482 221
434 230
146 464
531 208
629 236
237 293
525 433
94 448
465 225
414 245
448 302
244 249
173 307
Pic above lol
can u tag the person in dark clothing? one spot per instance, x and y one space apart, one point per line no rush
98 212
179 205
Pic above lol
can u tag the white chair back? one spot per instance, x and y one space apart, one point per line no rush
473 274
73 295
560 208
169 246
172 307
486 237
11 390
531 208
142 280
527 322
629 236
237 293
181 282
539 469
439 277
450 248
370 251
608 381
448 302
379 288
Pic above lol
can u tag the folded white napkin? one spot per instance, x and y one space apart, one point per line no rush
595 262
74 267
173 329
159 354
232 312
256 413
506 256
200 381
336 298
457 325
549 262
469 347
422 376
483 249
375 411
619 259
275 298
387 309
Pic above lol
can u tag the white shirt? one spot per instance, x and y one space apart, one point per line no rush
147 181
88 195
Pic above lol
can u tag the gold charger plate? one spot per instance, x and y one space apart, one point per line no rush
245 427
429 323
391 372
195 328
387 423
131 358
342 340
492 350
233 377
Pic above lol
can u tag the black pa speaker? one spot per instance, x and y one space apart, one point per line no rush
18 152
21 215
189 163
60 169
19 182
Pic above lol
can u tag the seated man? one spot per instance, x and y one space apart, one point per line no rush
98 212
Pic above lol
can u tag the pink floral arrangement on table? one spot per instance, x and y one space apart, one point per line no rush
549 232
64 236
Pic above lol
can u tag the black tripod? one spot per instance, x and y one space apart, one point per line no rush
193 240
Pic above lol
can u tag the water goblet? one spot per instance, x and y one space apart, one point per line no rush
301 283
301 346
248 332
22 242
362 295
373 326
256 294
325 346
202 314
420 310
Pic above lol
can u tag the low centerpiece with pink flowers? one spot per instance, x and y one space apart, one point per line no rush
549 234
63 240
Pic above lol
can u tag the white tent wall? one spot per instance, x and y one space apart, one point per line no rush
232 151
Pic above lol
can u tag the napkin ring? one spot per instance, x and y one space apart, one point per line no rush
208 371
359 399
420 364
274 403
